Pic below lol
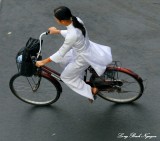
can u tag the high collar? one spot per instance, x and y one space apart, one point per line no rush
70 26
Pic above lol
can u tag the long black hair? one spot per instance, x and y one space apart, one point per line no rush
64 13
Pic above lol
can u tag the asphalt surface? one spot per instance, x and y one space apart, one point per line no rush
130 28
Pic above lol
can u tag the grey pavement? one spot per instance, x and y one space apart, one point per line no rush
130 27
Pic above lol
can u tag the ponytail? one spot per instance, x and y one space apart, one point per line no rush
78 25
64 13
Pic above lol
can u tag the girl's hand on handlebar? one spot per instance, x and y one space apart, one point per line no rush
39 63
53 30
43 62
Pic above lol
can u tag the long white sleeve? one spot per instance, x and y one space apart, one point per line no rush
63 33
67 45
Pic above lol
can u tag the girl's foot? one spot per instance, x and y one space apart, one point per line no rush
94 92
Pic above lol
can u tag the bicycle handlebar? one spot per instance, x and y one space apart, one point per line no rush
40 39
48 32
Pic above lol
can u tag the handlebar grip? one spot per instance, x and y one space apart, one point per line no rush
48 32
34 59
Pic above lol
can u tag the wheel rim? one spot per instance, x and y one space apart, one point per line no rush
34 90
125 89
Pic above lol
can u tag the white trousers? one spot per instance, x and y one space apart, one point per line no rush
73 73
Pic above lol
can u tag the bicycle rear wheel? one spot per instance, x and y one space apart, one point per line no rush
36 90
118 85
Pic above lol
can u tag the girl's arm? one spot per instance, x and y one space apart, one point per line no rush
54 30
43 62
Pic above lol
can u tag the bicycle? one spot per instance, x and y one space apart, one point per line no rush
117 84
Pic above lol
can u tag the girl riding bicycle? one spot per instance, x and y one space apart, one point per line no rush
77 53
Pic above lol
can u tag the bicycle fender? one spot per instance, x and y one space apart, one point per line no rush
126 71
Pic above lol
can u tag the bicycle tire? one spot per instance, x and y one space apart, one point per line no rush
114 89
37 93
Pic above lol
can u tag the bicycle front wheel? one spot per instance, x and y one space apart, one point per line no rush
36 90
118 85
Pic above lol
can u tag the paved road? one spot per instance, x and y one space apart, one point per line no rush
131 28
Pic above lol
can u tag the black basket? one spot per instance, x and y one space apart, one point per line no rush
26 69
25 63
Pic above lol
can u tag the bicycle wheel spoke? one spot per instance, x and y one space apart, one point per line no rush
125 91
34 90
121 88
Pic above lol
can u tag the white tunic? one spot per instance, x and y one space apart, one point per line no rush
76 54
